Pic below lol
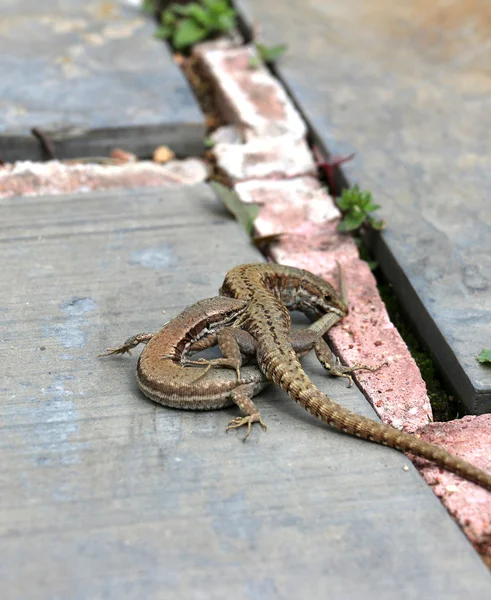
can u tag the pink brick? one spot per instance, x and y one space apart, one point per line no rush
396 391
31 179
247 96
265 158
290 203
470 505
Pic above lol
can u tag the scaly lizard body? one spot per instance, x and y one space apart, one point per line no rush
270 291
163 378
161 375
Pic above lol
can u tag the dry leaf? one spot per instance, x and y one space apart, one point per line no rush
260 241
162 155
123 156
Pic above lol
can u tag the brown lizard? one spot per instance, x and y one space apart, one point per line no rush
162 376
270 292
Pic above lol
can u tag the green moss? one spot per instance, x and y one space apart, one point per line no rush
444 406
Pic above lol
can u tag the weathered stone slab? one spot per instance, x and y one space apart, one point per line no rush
92 77
407 87
106 494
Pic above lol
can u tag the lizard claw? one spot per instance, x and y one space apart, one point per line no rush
249 420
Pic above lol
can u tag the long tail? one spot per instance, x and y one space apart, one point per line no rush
293 380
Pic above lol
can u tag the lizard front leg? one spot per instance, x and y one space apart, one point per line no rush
333 365
324 354
242 397
236 345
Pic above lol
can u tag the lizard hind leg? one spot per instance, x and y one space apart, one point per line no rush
212 363
236 346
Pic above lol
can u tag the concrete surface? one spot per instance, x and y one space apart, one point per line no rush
92 77
107 495
406 86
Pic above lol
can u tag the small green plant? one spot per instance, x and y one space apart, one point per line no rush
187 24
266 54
485 356
148 7
357 205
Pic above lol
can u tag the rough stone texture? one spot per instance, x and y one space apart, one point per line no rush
268 158
247 96
228 134
470 438
91 76
108 495
53 177
406 86
304 213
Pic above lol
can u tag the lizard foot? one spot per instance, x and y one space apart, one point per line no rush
249 420
339 370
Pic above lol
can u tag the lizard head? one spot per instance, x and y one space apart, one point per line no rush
221 311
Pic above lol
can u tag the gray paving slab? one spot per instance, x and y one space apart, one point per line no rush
406 86
91 76
108 495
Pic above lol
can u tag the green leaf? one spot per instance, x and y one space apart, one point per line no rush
374 224
244 213
485 356
164 32
357 204
168 18
187 33
351 221
344 202
147 7
208 142
370 206
216 6
363 199
201 16
181 9
225 21
270 53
